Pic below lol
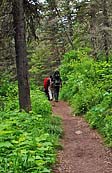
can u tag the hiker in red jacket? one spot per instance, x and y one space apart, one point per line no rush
47 87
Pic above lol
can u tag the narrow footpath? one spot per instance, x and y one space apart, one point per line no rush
83 148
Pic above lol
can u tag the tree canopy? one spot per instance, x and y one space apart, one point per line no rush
51 29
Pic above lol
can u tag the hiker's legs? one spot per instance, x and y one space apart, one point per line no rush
56 93
50 93
47 94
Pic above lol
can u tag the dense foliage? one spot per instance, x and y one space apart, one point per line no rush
28 140
88 87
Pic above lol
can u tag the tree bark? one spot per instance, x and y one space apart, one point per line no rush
69 18
21 56
106 25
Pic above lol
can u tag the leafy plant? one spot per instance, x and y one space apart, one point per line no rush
29 140
87 87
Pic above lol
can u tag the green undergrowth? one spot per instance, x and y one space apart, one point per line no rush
28 141
87 85
100 117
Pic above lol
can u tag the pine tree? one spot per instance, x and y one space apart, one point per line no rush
21 56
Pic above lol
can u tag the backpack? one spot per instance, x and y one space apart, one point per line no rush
56 74
56 78
57 82
46 82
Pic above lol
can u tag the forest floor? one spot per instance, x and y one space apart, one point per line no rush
83 149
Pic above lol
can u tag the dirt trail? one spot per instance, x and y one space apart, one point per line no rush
83 149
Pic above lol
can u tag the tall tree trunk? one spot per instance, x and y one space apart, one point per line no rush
106 25
69 18
21 56
53 33
93 29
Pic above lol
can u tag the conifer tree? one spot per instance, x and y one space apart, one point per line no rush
21 56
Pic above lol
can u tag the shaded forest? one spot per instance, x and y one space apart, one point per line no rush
37 38
52 28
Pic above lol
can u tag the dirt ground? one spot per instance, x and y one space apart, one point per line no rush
83 148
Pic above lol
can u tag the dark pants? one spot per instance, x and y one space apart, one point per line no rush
56 92
47 94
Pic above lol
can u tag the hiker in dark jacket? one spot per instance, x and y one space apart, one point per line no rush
57 83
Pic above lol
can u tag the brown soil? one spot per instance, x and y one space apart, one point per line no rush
83 148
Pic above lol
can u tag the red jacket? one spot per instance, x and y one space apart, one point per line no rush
46 83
